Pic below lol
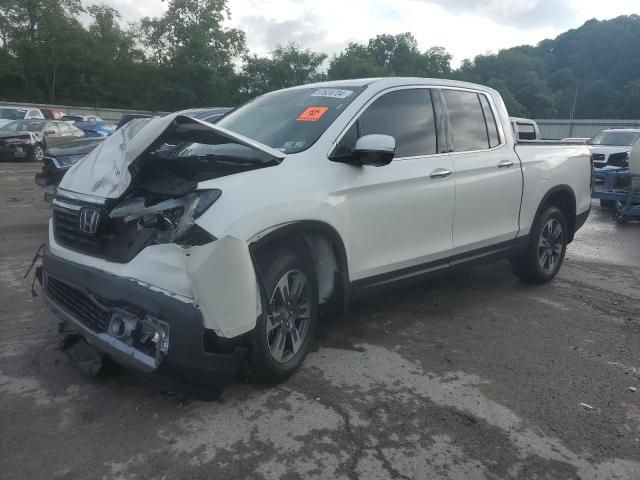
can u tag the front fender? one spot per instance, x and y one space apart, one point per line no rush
224 286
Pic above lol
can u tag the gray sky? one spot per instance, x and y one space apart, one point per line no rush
464 27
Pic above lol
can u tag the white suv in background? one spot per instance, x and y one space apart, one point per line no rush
611 147
9 114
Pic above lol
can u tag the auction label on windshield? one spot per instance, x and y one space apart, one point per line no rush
332 93
312 114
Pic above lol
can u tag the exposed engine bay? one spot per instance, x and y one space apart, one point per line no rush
162 200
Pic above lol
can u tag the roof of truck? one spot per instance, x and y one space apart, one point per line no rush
393 82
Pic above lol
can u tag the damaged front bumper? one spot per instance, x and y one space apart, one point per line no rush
109 311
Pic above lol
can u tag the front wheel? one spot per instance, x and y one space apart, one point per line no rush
544 255
37 153
284 332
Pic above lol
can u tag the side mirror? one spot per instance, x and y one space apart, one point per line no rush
375 150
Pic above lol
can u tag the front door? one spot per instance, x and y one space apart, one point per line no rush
52 135
401 214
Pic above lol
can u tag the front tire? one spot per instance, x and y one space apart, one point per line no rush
284 332
544 255
37 153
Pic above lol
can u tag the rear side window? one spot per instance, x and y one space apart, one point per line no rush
406 115
468 127
490 119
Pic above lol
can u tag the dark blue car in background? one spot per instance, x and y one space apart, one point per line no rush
96 129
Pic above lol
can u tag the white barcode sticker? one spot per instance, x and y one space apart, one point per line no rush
332 93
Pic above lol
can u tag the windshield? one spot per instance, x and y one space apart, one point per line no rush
290 120
12 113
24 126
626 139
71 118
224 152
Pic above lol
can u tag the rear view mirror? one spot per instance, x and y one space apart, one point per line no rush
375 150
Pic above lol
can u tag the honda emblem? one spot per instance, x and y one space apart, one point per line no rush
89 220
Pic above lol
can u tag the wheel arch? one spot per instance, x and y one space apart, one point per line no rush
322 242
564 198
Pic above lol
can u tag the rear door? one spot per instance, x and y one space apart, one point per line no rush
400 215
488 173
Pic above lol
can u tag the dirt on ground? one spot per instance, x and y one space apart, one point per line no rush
471 375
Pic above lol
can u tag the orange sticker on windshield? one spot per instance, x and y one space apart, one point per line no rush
312 114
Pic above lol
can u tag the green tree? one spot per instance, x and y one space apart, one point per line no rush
195 53
390 55
285 67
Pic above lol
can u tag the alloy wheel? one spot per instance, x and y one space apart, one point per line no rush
38 153
288 324
550 245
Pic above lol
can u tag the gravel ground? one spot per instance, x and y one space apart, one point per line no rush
472 375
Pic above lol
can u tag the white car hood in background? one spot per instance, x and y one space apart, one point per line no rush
608 149
104 172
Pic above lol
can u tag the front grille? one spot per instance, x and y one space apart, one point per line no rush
619 159
67 232
79 304
598 157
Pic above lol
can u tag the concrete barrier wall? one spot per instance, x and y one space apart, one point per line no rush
558 129
104 113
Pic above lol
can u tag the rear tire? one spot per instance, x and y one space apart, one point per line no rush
544 255
282 339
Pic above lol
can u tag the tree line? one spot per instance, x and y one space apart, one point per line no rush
189 57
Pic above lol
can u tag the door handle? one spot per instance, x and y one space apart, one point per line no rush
505 164
441 173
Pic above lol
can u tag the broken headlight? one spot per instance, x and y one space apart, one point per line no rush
173 220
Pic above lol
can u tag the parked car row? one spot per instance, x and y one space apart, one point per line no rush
28 139
92 125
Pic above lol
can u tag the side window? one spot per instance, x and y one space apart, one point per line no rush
468 128
52 127
490 119
406 115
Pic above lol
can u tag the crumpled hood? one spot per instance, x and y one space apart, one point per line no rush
104 172
18 136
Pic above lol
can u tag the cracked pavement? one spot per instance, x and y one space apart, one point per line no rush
469 376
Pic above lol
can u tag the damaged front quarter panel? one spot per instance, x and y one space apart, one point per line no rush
224 284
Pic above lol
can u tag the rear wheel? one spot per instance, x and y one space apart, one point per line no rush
544 255
284 332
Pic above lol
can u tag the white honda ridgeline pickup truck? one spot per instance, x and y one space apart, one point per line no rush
185 250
